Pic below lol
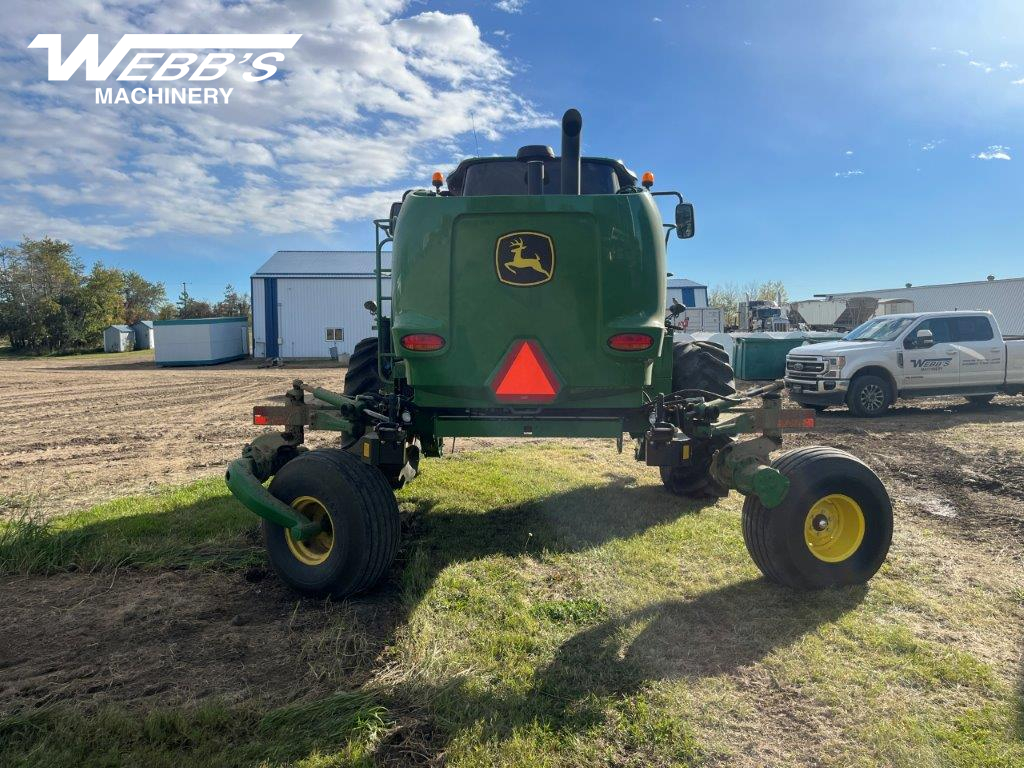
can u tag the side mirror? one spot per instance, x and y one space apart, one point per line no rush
370 306
923 339
684 220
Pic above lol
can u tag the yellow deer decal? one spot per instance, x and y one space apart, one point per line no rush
524 262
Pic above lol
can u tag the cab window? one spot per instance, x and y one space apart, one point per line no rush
939 326
975 328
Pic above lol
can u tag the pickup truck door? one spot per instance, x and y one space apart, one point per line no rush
937 366
981 351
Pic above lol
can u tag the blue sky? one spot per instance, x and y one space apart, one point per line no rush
834 146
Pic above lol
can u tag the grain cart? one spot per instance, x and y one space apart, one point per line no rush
529 301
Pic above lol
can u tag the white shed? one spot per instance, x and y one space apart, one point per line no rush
201 341
118 338
1004 298
143 331
304 303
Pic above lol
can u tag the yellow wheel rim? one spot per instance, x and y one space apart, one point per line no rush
316 549
834 528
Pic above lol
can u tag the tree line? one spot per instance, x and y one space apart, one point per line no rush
50 303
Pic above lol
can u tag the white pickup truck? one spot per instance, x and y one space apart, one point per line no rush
914 355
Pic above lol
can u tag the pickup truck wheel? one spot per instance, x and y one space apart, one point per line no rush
979 399
832 529
869 396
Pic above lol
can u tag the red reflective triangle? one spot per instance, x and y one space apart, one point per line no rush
525 375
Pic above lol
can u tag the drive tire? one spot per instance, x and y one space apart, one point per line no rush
869 396
701 365
785 543
361 532
362 377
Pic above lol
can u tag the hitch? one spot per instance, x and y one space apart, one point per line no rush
681 423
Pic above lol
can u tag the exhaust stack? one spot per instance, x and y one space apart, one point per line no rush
572 125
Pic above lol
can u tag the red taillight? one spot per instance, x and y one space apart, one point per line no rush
422 342
525 376
630 342
260 419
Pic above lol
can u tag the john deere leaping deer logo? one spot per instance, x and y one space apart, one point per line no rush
524 258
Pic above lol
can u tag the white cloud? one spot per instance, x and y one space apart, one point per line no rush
366 99
928 146
1006 65
994 152
1017 82
961 52
848 174
656 19
980 65
510 6
848 153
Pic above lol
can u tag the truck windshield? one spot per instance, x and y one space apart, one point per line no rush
879 329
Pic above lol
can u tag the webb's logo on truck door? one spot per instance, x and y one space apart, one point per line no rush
524 258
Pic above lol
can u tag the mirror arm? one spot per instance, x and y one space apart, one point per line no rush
668 232
678 195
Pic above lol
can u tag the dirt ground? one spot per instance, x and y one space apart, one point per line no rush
82 430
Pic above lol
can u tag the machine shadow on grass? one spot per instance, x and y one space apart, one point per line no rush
718 632
572 521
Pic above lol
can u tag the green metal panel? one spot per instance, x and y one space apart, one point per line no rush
608 278
762 358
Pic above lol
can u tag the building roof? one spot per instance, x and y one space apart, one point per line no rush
147 323
322 264
121 328
1000 281
682 282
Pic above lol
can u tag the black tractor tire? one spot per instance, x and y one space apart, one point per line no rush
362 377
714 349
834 490
704 366
361 525
979 400
869 396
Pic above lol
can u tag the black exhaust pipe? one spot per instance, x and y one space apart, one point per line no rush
572 125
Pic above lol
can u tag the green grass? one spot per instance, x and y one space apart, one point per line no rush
189 526
8 353
556 607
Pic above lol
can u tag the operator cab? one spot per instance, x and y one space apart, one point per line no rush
509 175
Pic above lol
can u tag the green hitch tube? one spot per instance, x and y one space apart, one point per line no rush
331 398
728 403
767 483
246 487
